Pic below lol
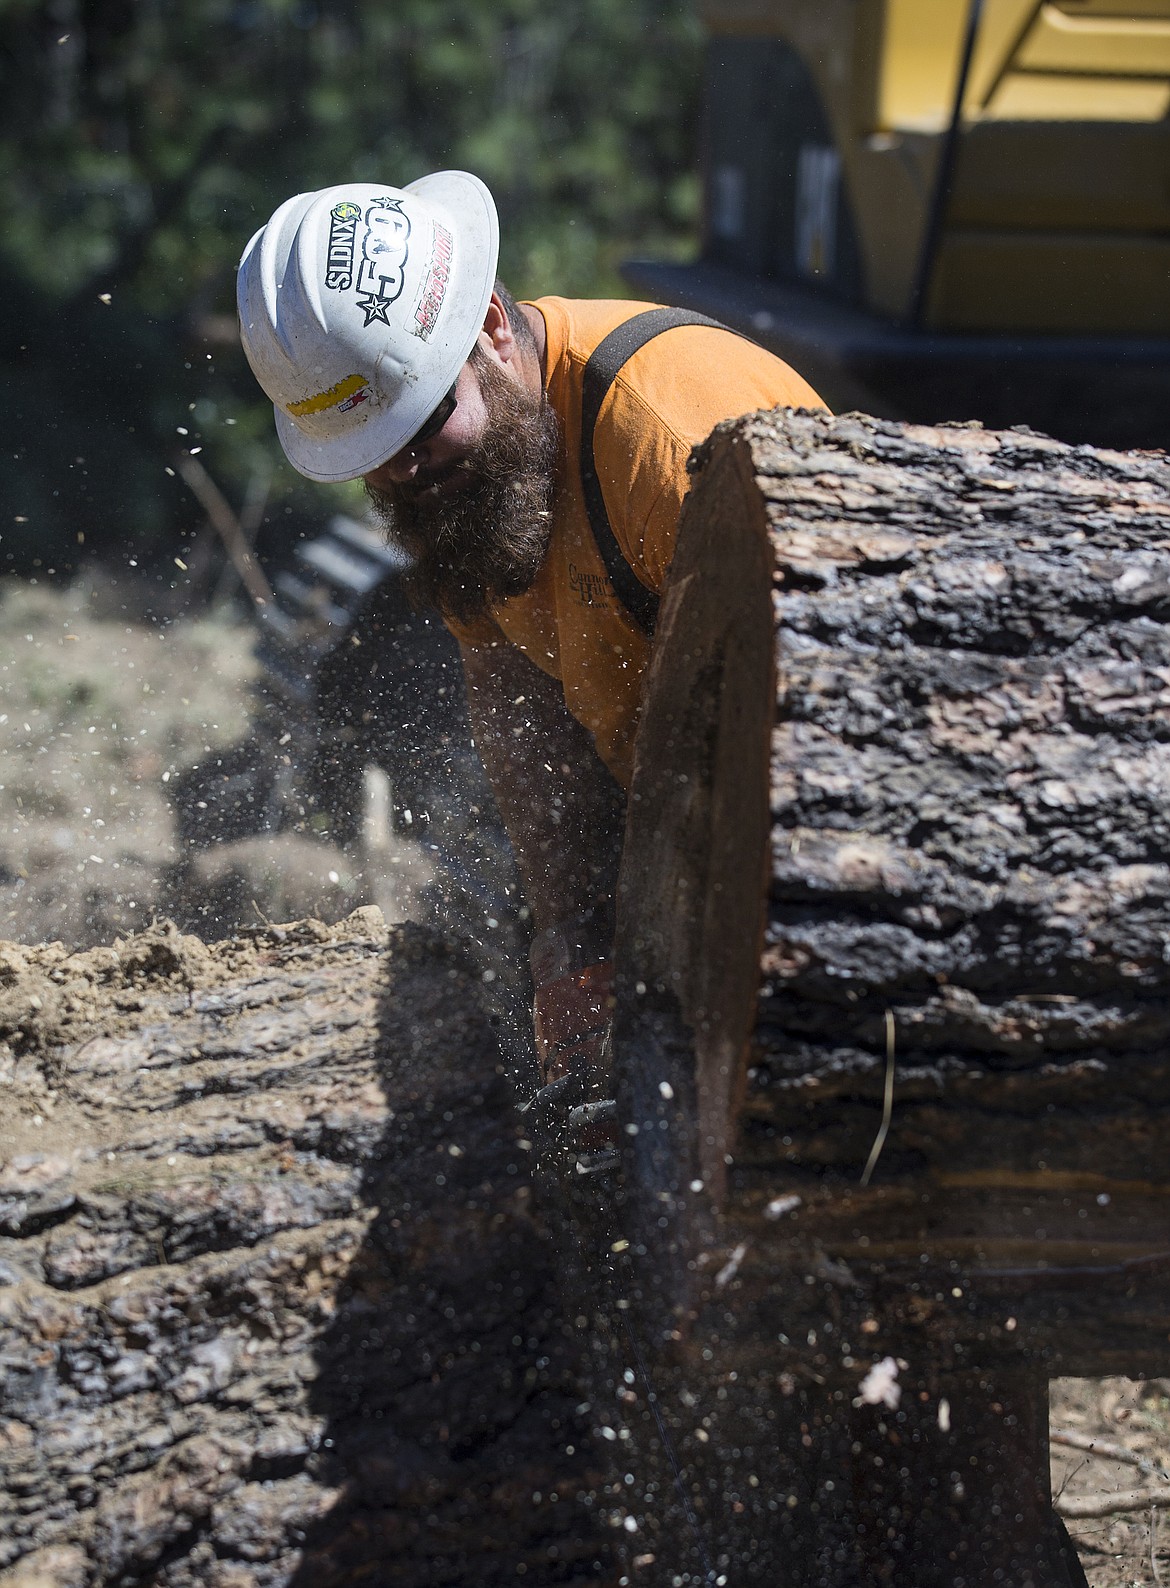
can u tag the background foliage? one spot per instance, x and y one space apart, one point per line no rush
144 140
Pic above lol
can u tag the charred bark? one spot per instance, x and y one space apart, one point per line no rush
275 1307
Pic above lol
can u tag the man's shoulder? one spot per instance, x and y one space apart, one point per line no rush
576 326
692 366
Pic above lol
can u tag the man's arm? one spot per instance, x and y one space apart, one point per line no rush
562 809
564 814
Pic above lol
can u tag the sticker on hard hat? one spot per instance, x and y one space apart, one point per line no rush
343 219
385 248
435 287
347 394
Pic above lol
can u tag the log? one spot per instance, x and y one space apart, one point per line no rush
965 817
897 846
275 1305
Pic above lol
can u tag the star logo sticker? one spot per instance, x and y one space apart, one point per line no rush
375 307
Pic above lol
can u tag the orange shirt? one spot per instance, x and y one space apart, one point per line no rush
667 398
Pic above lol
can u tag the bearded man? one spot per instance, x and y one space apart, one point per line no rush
532 458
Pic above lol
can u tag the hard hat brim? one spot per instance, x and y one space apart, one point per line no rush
462 196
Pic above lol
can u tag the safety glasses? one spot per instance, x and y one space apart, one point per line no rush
438 419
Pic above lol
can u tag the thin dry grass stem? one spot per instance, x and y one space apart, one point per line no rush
879 1141
1108 1450
1154 1572
1086 1505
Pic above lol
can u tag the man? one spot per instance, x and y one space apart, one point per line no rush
372 318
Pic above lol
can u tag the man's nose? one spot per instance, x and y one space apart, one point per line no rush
398 470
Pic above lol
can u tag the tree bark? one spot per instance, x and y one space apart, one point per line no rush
275 1308
967 803
899 826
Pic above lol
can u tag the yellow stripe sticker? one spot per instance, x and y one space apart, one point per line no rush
329 399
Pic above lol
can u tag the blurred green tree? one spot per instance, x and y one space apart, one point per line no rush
142 141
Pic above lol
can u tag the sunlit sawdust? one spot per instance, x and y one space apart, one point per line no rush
98 714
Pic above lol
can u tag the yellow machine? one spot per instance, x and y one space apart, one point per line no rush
945 208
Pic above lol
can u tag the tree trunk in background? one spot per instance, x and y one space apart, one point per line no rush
274 1306
899 819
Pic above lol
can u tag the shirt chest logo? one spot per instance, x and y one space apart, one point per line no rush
590 589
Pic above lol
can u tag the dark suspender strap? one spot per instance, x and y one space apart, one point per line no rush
601 371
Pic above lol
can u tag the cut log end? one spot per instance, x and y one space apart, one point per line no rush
690 901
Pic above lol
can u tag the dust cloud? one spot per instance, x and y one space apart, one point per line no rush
101 714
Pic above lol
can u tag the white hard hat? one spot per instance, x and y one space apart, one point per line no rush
359 305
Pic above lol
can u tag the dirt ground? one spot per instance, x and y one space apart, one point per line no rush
1128 1423
99 712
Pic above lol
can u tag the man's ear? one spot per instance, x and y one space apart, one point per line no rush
498 331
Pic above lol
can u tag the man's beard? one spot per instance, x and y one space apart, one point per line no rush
486 540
